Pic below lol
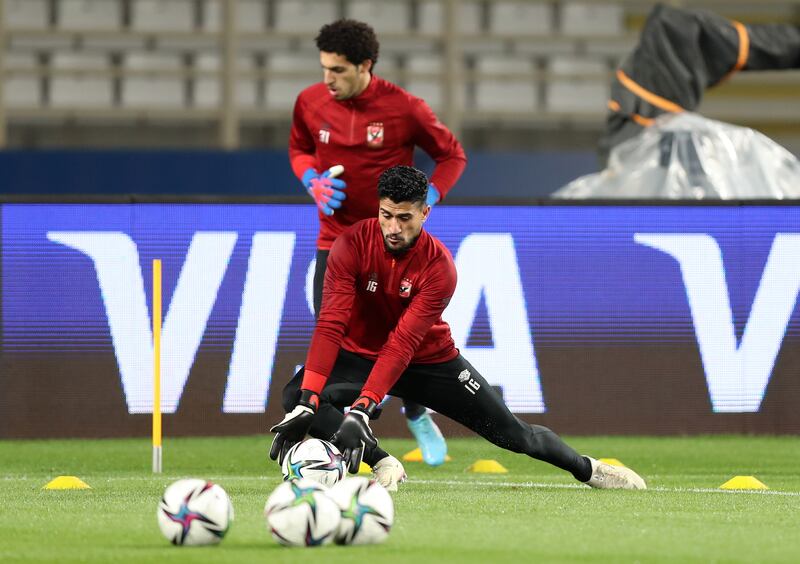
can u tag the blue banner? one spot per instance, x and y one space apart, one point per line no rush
720 281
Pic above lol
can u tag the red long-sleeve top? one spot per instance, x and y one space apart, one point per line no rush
384 307
367 134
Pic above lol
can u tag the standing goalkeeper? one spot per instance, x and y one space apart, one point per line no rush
380 331
365 124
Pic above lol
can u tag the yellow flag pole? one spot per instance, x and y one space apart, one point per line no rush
157 366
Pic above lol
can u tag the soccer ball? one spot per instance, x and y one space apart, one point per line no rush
367 511
194 512
299 513
315 459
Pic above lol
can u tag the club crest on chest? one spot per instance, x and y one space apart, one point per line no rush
405 288
375 135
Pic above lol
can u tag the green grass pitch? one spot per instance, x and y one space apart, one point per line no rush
534 513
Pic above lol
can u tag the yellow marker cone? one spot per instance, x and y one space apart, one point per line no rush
364 468
612 461
416 456
744 483
487 467
66 483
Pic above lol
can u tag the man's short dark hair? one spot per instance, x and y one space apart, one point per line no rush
403 184
353 39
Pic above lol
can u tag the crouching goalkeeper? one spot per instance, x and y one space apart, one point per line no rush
380 332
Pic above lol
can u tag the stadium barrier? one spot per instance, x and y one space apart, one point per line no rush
125 176
592 317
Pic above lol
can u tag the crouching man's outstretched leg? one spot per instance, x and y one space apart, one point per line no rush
456 389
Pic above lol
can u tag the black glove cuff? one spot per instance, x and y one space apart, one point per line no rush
309 399
364 405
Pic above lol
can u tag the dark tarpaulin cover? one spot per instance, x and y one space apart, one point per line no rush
681 53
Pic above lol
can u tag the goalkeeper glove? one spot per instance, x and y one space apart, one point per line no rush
354 433
325 188
294 426
433 195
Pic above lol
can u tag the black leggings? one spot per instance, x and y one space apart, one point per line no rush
454 389
412 410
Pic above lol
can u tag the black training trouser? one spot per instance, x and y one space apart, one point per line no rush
454 389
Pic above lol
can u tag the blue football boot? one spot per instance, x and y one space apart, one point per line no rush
429 438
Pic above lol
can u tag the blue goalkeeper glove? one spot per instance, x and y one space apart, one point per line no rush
325 188
354 433
433 195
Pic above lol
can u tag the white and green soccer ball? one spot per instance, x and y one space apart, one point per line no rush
299 513
367 511
194 512
316 460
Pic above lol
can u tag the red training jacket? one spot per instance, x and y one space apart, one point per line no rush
367 134
383 307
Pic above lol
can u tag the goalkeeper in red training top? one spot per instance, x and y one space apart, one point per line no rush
365 124
380 331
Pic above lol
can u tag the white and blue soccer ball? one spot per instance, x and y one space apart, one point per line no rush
316 460
299 513
194 512
367 511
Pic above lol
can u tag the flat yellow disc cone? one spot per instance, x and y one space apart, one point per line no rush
364 468
744 483
487 467
66 483
612 461
416 456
